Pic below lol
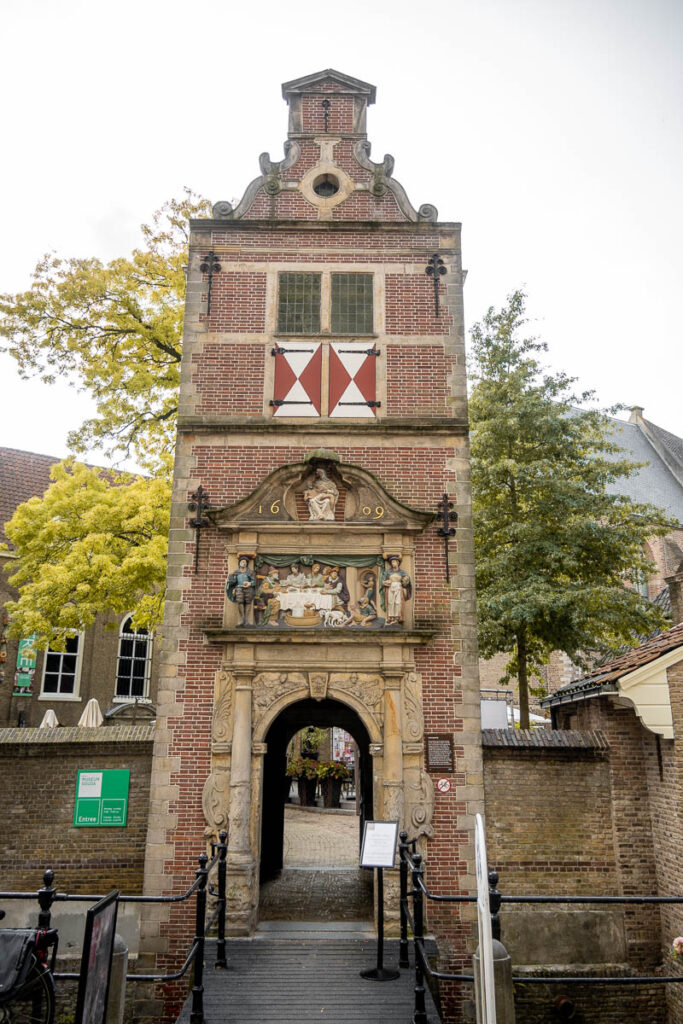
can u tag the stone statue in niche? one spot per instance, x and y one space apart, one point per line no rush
241 587
364 612
396 590
320 494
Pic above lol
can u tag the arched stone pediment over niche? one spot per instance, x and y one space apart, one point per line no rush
324 493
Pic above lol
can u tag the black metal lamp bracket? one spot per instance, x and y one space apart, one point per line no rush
448 515
199 503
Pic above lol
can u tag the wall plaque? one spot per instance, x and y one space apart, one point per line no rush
439 749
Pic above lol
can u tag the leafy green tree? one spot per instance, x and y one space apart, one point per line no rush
93 543
554 551
115 331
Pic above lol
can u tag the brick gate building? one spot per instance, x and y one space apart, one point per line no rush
323 412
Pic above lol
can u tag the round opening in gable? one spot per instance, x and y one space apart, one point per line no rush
326 185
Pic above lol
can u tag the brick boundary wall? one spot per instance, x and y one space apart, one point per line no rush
552 829
38 769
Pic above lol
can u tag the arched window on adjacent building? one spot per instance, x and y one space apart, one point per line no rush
134 663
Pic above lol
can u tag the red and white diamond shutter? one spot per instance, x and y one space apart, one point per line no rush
298 368
352 379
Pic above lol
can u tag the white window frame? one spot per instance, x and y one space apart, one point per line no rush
121 698
76 695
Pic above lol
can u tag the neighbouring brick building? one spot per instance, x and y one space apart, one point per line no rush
110 662
323 412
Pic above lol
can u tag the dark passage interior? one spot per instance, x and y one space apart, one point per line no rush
316 891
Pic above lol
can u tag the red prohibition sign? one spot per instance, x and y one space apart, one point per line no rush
444 785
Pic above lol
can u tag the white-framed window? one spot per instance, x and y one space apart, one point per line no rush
134 662
62 671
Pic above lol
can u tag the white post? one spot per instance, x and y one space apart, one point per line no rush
486 977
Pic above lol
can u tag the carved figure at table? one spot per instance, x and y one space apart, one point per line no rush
320 495
362 614
268 603
241 588
296 580
396 590
335 585
316 579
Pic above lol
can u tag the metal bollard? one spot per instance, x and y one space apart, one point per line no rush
403 848
420 1012
221 961
197 1013
46 897
117 982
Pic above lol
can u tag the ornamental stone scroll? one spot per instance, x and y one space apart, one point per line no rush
268 687
420 807
216 801
413 716
221 726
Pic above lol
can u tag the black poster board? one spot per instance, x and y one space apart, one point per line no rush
98 946
440 755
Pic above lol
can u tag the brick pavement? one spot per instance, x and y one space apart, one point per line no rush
320 880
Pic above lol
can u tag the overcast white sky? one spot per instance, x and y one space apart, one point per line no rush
550 128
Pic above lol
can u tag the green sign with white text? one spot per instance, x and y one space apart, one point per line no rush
102 798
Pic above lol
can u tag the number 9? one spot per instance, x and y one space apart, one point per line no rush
379 512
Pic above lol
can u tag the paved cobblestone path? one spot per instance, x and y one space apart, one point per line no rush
320 880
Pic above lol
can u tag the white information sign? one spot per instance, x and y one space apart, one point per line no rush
90 784
379 844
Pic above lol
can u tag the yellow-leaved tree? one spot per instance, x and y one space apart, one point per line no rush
97 541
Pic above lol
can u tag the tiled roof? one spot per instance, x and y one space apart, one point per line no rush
669 441
606 676
23 475
544 739
654 483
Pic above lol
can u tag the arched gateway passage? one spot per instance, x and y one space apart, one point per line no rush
323 714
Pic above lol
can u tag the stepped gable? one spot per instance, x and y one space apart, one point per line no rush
326 173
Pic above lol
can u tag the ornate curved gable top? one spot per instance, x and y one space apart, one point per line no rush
323 494
326 173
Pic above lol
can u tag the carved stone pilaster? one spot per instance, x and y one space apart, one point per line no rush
221 726
413 717
393 802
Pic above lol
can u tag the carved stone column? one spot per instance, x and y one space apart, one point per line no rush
393 749
239 845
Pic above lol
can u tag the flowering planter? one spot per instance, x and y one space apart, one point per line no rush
307 788
331 790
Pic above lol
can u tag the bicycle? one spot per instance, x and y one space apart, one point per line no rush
27 988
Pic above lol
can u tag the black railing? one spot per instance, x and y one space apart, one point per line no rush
411 864
48 895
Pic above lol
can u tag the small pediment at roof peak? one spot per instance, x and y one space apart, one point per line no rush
322 81
321 493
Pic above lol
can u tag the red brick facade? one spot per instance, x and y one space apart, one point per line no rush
414 446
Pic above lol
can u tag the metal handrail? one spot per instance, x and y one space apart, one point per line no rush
48 895
411 862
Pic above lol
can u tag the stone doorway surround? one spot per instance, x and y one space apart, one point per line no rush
266 670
